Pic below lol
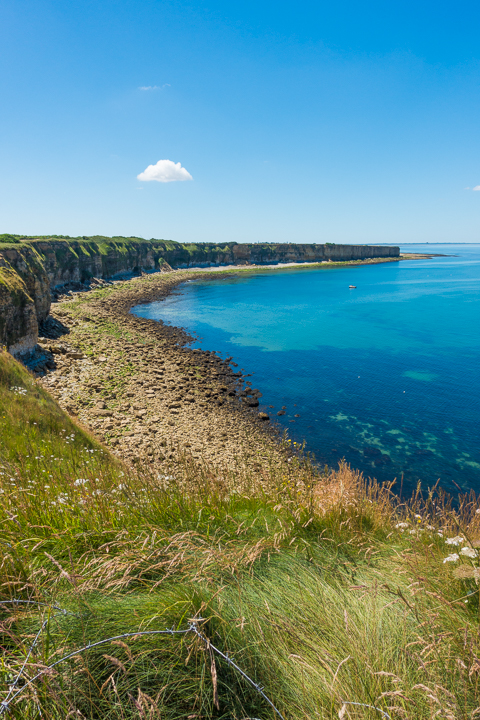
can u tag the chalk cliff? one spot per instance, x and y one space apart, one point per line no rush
31 268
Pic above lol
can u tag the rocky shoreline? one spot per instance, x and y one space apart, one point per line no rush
32 269
137 385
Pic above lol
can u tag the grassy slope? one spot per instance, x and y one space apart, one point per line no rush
309 587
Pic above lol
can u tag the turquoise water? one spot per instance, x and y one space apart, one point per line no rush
385 375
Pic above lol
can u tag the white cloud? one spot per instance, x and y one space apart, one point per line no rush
154 87
165 171
476 188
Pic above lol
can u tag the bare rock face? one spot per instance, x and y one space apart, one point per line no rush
258 254
28 263
31 271
18 317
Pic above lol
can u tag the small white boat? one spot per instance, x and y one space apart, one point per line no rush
352 287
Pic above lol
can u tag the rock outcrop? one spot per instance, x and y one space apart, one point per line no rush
18 318
30 268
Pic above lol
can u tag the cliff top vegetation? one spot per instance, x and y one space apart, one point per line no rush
12 239
324 589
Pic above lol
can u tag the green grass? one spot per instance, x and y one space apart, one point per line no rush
102 244
305 581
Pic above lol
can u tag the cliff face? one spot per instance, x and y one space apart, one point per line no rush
18 319
29 270
265 254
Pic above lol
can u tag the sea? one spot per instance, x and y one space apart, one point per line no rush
385 375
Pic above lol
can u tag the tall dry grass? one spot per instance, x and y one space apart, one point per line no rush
323 587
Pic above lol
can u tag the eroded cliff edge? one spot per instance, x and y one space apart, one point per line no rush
30 268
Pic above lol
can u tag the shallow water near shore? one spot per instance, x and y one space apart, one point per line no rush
385 375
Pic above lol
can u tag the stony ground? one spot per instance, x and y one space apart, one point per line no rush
135 384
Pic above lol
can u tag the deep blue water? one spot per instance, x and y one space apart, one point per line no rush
385 376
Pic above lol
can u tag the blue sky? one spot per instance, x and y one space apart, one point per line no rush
305 122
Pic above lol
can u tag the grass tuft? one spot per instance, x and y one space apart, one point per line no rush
322 587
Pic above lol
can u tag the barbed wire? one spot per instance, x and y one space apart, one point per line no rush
62 611
20 673
4 704
192 628
257 687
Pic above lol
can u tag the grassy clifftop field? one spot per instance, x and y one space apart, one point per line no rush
333 598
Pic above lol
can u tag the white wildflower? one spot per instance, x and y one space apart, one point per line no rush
451 558
401 525
430 527
457 540
80 481
477 511
468 552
